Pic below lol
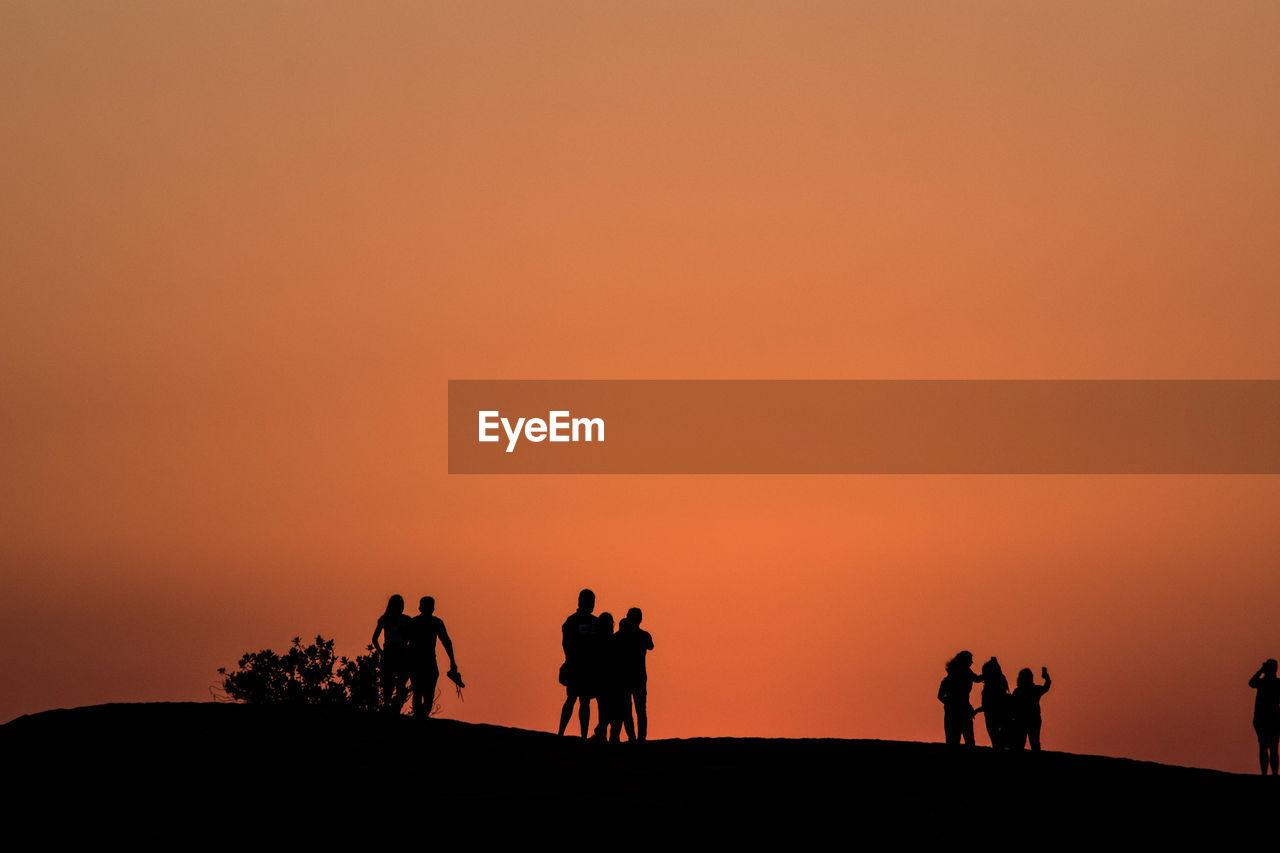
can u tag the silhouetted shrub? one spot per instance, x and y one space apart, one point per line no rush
304 675
358 677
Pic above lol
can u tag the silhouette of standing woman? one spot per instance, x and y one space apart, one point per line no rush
1266 716
393 626
995 704
1026 708
608 682
953 693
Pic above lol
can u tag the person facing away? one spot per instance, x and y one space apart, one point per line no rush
424 672
633 644
953 693
1266 716
607 680
995 704
577 636
393 653
1025 704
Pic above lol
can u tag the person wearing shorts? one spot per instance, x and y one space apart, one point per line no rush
578 636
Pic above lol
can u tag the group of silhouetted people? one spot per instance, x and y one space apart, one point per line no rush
407 655
1013 719
608 666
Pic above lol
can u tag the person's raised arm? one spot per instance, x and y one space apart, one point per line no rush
377 632
1048 682
1257 677
447 643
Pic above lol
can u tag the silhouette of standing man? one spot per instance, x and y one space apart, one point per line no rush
633 644
1266 716
424 672
578 638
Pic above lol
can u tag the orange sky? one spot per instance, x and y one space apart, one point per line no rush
243 248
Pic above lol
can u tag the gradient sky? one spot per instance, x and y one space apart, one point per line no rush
244 246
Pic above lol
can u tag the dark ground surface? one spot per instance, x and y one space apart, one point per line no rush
235 775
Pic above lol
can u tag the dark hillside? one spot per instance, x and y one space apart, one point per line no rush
239 774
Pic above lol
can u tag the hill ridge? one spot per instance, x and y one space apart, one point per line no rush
189 761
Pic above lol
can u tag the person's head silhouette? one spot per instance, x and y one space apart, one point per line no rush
1269 668
1026 678
426 605
962 661
586 601
634 616
395 606
606 622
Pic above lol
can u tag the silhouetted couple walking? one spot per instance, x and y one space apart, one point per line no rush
607 666
1013 719
407 655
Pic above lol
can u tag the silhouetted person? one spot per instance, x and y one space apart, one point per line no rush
424 630
577 637
995 704
633 644
393 653
607 681
1266 716
953 693
1025 704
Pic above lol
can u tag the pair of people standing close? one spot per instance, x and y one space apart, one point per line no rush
407 655
607 666
1013 719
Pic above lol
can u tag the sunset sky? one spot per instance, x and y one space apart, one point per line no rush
244 247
